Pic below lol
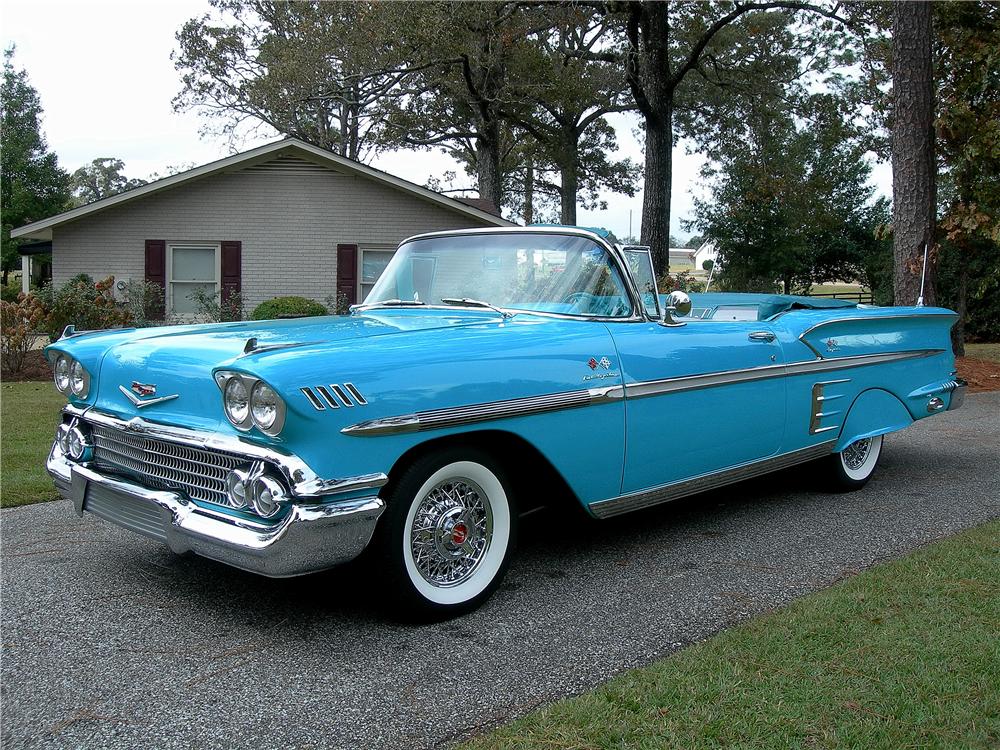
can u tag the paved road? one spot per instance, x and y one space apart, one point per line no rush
110 641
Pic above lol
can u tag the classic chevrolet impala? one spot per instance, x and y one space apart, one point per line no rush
486 371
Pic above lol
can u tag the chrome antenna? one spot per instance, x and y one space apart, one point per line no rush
923 276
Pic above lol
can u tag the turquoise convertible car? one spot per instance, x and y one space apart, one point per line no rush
487 372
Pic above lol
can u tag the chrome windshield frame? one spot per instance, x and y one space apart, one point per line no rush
636 314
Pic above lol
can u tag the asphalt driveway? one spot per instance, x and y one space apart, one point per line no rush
111 641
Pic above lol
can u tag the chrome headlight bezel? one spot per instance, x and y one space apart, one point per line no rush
236 403
78 374
227 380
65 362
267 410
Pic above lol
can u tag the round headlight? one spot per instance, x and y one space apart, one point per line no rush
61 375
237 402
78 380
236 488
264 405
267 496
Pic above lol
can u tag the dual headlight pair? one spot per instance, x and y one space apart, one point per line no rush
251 487
250 402
71 377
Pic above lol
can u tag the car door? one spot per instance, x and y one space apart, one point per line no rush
699 398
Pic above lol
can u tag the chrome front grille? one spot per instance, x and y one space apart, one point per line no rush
198 472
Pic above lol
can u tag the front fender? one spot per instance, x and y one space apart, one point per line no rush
874 412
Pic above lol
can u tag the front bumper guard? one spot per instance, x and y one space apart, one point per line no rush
311 536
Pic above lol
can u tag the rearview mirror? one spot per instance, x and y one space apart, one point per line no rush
678 303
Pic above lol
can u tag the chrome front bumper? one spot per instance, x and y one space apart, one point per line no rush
312 536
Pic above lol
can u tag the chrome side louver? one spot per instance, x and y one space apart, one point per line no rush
821 409
334 396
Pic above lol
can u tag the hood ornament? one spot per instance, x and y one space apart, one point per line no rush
140 390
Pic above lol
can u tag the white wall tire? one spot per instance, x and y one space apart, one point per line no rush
447 535
852 467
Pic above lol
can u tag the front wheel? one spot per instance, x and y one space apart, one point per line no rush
447 534
853 467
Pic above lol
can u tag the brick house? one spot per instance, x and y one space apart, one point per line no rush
286 218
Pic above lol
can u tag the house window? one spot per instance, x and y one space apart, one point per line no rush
190 269
373 262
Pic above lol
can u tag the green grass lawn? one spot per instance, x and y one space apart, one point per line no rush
906 655
28 424
989 352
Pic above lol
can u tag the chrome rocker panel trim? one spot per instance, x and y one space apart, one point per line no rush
457 416
311 537
645 498
302 480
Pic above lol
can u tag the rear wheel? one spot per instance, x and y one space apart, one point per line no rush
447 535
851 468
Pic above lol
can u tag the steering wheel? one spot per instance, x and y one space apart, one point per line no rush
576 297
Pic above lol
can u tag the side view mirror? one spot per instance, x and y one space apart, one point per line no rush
678 303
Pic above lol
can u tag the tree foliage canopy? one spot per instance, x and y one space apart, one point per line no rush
100 179
32 185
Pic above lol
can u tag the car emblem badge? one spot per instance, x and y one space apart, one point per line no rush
138 392
604 362
142 389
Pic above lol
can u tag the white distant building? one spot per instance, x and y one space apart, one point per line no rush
707 251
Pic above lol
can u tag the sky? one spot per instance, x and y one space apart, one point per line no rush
105 79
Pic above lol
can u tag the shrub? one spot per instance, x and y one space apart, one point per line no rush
680 281
144 303
83 303
212 309
10 292
287 307
337 304
19 322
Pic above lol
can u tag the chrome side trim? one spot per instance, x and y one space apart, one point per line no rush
301 479
458 416
833 321
463 415
645 498
648 388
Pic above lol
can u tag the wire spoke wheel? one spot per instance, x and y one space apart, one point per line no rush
451 532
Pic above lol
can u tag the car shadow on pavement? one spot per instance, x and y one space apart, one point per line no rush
556 542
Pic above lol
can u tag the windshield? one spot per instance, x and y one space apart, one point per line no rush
539 272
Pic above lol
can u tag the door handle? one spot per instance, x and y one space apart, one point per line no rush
766 336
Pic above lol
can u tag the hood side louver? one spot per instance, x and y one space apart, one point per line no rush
334 396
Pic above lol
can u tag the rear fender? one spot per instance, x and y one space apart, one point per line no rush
874 412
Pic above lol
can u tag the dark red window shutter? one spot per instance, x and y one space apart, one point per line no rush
156 268
347 272
232 268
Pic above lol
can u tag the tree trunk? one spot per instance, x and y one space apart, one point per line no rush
913 166
570 184
488 164
656 190
529 191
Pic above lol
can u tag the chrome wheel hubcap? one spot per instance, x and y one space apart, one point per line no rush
451 532
856 453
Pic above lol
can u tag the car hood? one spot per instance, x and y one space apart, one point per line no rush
179 361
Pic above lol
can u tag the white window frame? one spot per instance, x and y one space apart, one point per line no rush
217 247
375 248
